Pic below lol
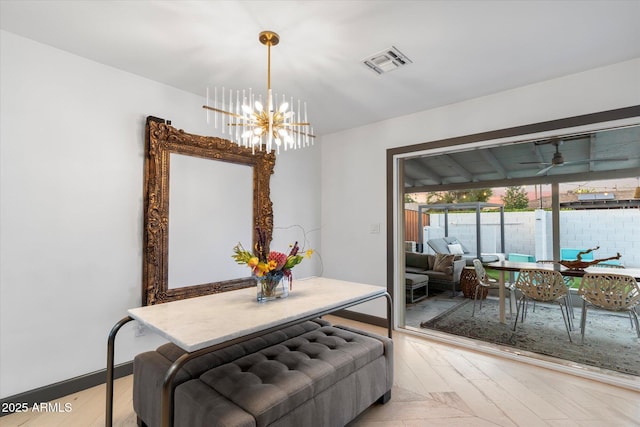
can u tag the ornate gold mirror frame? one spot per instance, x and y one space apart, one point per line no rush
161 139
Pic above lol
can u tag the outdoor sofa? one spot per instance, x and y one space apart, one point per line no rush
442 270
451 245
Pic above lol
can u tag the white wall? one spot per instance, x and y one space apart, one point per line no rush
613 231
295 190
72 156
354 170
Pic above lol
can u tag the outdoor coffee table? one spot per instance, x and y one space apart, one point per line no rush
416 282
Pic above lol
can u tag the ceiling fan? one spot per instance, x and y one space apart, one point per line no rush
558 160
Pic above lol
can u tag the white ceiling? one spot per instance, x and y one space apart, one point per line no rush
460 49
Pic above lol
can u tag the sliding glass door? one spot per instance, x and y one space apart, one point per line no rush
577 190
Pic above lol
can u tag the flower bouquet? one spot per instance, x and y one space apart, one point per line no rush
269 268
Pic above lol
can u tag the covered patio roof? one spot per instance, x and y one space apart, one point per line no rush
604 154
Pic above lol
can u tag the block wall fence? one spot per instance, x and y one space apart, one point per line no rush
613 230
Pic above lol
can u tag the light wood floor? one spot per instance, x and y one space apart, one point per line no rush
435 385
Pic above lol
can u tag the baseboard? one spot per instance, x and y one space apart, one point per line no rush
361 317
61 389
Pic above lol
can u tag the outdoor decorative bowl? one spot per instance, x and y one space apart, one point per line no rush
579 264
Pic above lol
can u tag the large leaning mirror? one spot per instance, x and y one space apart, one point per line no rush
202 196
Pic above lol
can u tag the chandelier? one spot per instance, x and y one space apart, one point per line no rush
250 122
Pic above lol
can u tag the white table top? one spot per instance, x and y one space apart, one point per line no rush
197 323
519 265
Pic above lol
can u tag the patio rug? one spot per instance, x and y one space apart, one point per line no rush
609 342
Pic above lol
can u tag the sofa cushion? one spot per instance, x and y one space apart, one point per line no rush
416 270
438 277
414 279
440 246
456 249
418 261
454 241
444 263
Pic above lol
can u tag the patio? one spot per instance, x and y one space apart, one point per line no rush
610 341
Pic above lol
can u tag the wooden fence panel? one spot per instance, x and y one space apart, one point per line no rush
411 224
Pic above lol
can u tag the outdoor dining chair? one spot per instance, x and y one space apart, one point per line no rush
613 292
543 286
483 281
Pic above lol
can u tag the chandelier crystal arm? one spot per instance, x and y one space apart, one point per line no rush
223 112
310 135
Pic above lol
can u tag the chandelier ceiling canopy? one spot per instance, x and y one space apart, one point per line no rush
251 123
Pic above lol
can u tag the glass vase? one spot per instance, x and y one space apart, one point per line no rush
271 286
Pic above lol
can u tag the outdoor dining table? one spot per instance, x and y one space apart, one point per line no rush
514 266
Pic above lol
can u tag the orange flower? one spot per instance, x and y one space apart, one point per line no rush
261 269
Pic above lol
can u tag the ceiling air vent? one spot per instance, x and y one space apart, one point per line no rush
387 60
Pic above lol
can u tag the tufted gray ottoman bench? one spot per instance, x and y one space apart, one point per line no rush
311 374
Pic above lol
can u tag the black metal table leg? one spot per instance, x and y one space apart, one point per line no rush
389 314
110 362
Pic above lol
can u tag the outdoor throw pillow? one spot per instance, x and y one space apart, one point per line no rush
455 249
444 263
